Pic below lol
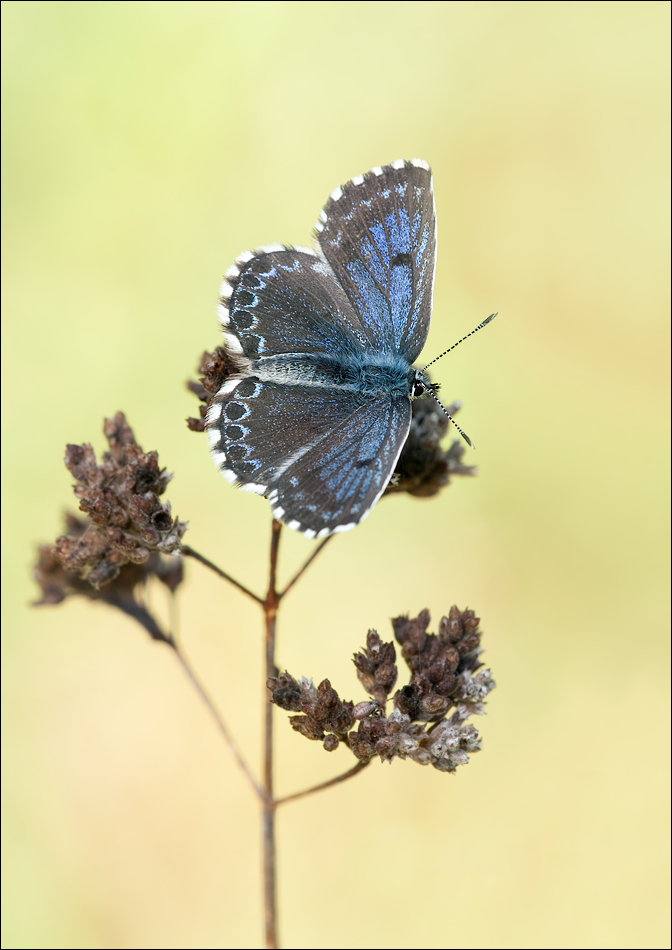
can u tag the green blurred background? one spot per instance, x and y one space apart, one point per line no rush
146 144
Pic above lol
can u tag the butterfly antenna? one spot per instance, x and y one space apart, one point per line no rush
445 412
479 327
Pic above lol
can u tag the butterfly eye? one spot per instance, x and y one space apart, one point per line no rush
420 386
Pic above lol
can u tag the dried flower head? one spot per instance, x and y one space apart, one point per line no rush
444 677
376 668
123 592
323 710
441 665
126 519
424 468
215 367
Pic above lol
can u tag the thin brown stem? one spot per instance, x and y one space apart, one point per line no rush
188 551
268 819
230 741
305 567
355 770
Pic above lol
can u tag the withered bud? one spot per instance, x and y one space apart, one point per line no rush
376 668
438 663
285 692
215 368
323 709
424 468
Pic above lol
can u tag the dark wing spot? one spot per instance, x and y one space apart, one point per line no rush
244 298
243 319
236 453
235 411
246 388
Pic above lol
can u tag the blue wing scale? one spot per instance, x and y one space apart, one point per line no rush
378 234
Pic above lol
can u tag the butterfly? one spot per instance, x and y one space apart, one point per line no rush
323 342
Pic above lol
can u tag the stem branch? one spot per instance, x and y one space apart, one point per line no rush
218 719
305 567
318 788
189 552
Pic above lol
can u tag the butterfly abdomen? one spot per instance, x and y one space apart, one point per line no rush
366 373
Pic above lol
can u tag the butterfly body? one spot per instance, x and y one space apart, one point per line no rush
367 372
318 411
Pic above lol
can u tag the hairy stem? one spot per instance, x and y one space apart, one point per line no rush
268 818
190 552
318 788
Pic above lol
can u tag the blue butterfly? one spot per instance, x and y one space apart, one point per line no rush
319 408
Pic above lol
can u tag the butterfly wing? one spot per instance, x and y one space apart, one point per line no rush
336 483
285 300
257 429
378 233
322 457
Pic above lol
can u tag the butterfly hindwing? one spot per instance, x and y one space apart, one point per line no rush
258 428
378 233
322 457
334 485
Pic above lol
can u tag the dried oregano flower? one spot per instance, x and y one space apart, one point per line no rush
424 468
445 675
110 555
126 519
124 591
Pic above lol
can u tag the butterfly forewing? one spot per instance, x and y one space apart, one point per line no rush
378 233
286 301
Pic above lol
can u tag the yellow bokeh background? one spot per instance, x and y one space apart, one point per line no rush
145 145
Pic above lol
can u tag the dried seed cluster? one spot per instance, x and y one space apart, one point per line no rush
445 675
424 468
127 521
123 592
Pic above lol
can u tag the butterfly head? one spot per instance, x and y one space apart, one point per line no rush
420 385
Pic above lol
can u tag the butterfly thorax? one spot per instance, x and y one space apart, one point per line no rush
369 372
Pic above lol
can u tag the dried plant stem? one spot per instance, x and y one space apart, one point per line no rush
305 567
190 552
270 605
318 788
268 819
230 741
